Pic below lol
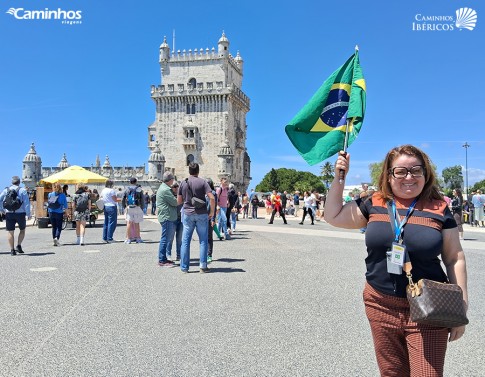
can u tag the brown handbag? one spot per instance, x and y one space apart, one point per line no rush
433 303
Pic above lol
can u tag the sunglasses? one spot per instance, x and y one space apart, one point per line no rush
400 172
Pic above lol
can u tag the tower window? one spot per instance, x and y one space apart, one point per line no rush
152 137
159 168
190 108
190 158
192 83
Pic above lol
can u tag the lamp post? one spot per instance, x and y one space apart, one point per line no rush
466 146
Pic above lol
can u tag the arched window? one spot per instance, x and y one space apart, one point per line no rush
152 137
192 83
193 108
188 108
190 158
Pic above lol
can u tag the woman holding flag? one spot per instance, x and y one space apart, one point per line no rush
427 233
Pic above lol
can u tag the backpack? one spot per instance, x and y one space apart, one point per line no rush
12 201
52 202
232 198
255 201
196 202
82 202
132 197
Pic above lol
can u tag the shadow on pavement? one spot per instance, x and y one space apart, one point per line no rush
229 260
37 254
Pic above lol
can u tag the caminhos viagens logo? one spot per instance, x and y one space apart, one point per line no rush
69 17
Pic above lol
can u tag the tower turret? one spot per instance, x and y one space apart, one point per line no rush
107 168
32 168
164 51
156 164
223 46
225 157
63 163
239 61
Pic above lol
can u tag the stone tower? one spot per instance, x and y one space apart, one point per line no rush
32 168
201 113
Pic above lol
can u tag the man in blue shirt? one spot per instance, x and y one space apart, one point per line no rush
16 216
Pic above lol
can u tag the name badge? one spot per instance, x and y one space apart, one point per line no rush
398 253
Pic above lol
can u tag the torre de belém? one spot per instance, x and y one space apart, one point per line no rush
200 117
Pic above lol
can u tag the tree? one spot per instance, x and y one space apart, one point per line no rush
273 180
453 177
327 173
290 180
375 172
478 186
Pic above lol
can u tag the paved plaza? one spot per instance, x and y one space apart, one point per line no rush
280 300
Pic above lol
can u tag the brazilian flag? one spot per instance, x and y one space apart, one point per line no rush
318 130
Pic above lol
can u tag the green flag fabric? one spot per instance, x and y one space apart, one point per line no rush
318 130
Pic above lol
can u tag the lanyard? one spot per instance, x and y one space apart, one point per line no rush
399 227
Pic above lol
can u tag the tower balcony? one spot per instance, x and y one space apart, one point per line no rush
189 144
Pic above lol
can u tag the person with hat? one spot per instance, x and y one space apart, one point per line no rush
179 228
15 203
167 216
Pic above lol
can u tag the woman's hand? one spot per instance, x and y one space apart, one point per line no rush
342 163
456 333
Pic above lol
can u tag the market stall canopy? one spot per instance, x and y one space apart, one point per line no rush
74 174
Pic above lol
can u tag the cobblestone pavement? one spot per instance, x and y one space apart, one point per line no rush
280 300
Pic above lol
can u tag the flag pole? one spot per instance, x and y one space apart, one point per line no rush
346 140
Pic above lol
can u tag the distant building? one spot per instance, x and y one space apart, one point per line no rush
200 116
33 172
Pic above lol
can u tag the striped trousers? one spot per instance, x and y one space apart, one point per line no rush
403 348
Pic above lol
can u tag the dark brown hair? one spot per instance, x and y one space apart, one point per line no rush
430 190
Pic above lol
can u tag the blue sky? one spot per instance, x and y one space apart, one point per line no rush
85 89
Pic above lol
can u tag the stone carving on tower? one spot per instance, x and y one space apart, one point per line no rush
200 113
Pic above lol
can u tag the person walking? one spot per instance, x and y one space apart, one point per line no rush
284 201
56 206
232 208
212 222
254 206
119 198
167 216
429 236
82 211
15 204
153 199
478 201
133 202
222 192
307 207
296 202
457 209
192 193
245 205
277 207
110 200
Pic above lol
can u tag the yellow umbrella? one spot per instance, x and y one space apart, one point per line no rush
75 174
